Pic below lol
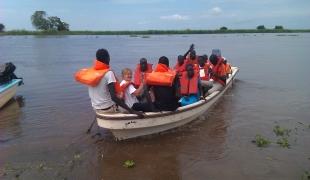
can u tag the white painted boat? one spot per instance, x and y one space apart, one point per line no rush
8 91
126 126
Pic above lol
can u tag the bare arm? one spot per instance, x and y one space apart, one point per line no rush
190 49
139 91
119 102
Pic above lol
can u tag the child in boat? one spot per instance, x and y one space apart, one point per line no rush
130 92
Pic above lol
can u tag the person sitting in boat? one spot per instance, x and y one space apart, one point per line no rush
192 59
204 74
163 83
102 85
180 66
190 86
227 67
217 52
218 73
183 60
141 71
130 92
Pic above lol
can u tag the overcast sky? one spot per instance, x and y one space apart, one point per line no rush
160 14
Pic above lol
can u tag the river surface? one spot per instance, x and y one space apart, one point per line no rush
42 132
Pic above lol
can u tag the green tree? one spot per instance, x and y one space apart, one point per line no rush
260 27
2 27
39 21
278 27
223 28
56 24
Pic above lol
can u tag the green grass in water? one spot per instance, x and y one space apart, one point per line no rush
129 164
283 142
279 131
261 141
305 176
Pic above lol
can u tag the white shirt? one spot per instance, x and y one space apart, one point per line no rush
129 98
100 95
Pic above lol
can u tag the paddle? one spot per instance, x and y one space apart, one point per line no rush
189 50
91 126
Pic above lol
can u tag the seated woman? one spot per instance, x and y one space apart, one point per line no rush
130 92
190 86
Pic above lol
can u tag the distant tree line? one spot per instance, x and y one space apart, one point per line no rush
41 22
260 27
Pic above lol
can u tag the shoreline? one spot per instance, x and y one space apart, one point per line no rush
152 32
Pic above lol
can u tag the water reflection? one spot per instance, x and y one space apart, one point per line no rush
10 115
154 159
172 154
58 109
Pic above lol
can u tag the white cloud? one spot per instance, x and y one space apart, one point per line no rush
175 17
216 11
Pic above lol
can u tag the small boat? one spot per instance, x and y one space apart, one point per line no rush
8 91
126 126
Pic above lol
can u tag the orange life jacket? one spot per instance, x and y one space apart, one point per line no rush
124 86
189 86
138 73
228 68
92 76
179 69
220 70
122 89
161 76
205 75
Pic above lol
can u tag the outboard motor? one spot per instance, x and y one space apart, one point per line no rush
7 73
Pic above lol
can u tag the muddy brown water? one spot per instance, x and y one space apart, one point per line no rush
42 132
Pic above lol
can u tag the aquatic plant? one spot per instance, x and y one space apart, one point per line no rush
77 156
305 176
283 142
279 131
129 164
41 166
261 141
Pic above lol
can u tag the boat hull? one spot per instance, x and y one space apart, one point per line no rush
8 92
128 126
